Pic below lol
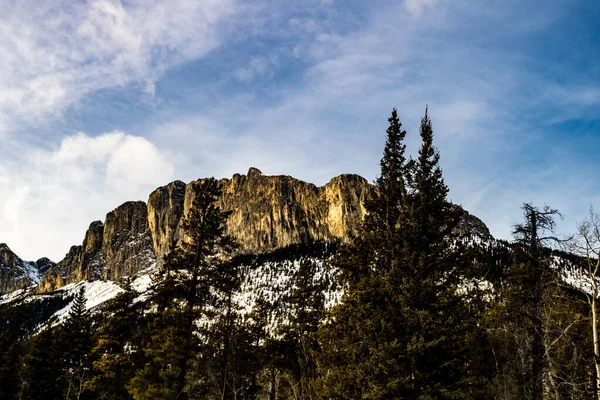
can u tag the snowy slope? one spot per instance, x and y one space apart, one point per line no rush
274 280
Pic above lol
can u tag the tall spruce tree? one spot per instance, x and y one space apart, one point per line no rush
76 340
399 330
391 183
426 278
11 346
41 368
116 351
194 283
295 343
360 356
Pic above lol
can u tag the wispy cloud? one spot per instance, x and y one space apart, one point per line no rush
50 196
64 50
416 7
301 88
258 66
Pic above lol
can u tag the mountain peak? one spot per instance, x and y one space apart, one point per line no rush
254 172
14 272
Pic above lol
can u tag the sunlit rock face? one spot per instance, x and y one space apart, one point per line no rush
267 212
83 261
165 209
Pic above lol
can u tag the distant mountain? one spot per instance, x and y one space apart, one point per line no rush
280 222
18 274
268 213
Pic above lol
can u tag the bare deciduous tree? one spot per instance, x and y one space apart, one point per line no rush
587 244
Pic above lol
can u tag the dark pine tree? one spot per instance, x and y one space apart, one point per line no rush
435 320
399 331
527 282
359 351
11 350
117 349
292 350
195 281
41 368
75 342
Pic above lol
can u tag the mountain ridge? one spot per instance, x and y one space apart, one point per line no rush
268 212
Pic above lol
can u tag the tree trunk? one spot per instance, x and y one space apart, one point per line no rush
273 392
226 340
595 335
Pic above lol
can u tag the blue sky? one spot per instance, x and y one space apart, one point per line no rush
102 101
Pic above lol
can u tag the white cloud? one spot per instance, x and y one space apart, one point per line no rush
334 121
258 66
416 7
49 197
63 50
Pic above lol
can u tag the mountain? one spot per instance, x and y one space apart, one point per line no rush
16 273
280 222
267 213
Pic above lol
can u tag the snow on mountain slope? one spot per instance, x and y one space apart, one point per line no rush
274 277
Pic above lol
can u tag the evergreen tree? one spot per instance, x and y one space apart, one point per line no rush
115 351
195 281
12 335
9 366
353 342
391 184
41 368
76 340
257 323
434 319
399 330
293 349
524 291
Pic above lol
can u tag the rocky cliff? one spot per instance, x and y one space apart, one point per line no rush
268 212
18 274
120 246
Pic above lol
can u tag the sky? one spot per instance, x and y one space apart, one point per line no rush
102 101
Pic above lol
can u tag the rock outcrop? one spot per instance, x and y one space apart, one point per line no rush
84 261
165 209
127 244
267 212
18 274
120 246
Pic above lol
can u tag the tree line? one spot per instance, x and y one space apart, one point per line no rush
424 315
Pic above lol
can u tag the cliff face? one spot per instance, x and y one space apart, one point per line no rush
84 261
120 246
267 212
165 209
127 244
18 274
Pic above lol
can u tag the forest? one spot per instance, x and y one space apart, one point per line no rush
423 313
